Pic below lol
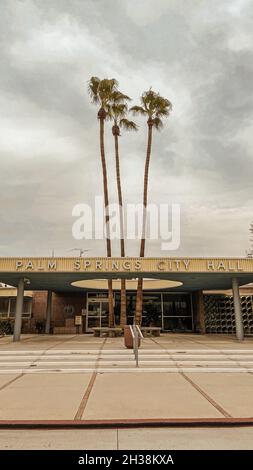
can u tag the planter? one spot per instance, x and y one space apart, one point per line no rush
128 339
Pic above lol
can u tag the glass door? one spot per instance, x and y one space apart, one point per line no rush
93 315
104 313
97 313
177 313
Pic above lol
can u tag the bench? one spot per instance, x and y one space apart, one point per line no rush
151 330
106 331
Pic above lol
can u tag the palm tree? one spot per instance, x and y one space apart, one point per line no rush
117 112
100 92
154 107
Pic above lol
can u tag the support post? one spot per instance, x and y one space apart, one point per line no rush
237 310
48 312
19 310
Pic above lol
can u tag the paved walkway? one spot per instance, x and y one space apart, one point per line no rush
123 439
87 378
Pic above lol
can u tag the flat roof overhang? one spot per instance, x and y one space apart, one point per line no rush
58 274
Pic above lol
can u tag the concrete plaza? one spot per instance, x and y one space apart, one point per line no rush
85 378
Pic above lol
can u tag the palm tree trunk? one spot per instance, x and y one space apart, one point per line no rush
139 294
101 117
123 317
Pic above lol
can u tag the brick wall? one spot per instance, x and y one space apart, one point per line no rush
62 305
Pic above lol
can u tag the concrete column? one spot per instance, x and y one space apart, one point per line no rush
19 310
237 310
48 312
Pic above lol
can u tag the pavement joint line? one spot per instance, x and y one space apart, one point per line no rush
19 376
27 339
195 341
203 393
239 363
206 396
11 381
61 342
33 363
85 398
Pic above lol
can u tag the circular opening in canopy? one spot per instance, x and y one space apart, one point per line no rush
131 284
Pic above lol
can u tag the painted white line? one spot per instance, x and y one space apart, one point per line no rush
67 353
67 358
116 362
199 356
46 363
152 359
119 353
127 351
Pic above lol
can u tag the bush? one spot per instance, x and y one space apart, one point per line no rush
6 326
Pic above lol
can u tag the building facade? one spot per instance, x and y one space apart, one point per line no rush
180 295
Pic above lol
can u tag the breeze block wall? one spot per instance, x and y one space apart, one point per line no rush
219 313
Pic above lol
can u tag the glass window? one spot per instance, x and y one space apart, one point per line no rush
176 305
177 315
168 306
181 308
152 309
104 314
4 305
26 308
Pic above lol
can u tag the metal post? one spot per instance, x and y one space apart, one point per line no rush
237 310
19 310
136 340
48 312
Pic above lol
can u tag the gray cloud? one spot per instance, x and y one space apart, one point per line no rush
196 53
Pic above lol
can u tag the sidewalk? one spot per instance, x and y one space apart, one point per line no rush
123 439
94 395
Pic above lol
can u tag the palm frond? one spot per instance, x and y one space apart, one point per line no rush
155 105
138 110
163 106
148 100
119 110
106 88
109 112
116 111
93 87
119 97
128 125
158 124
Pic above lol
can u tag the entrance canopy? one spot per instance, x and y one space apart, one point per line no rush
187 274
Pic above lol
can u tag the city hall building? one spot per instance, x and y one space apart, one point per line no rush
69 295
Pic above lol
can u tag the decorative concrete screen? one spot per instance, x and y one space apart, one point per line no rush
219 314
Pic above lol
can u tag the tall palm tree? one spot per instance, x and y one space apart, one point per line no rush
155 108
117 112
100 92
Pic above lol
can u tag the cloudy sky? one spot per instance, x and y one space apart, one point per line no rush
197 53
